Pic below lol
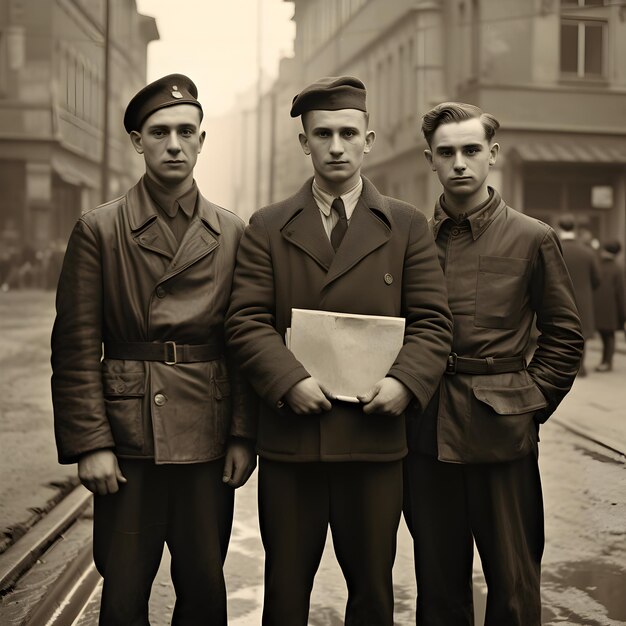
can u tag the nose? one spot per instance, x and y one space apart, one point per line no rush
336 145
459 162
173 144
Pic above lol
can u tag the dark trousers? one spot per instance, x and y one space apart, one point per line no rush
500 506
608 346
186 506
362 503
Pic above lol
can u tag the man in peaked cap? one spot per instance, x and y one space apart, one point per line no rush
162 426
336 245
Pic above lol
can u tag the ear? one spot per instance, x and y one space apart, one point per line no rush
135 138
493 153
370 138
304 142
201 141
429 157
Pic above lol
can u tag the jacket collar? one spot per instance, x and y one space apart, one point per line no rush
370 227
151 233
479 220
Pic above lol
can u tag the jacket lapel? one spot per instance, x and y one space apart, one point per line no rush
370 228
305 229
148 231
201 238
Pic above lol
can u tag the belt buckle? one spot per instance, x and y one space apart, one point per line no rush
451 363
170 349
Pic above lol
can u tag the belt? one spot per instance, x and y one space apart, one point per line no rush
169 352
465 365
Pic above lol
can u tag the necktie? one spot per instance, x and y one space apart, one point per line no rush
341 226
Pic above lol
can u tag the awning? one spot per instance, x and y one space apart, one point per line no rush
572 151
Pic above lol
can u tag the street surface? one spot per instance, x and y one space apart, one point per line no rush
584 566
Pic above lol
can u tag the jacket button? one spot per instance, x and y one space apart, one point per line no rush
455 232
120 388
160 292
160 399
388 278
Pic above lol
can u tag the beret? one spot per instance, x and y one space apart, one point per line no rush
164 92
330 94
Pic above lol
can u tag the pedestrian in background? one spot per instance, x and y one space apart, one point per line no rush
162 428
336 245
582 265
610 305
472 472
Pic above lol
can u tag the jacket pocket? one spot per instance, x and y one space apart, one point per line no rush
500 291
123 398
512 400
502 427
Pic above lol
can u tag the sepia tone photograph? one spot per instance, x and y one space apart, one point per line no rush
312 312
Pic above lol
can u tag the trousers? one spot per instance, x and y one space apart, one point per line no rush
362 504
447 507
187 507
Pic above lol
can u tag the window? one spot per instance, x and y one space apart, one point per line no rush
582 3
583 48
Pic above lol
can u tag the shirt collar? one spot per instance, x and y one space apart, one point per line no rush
478 218
324 200
168 202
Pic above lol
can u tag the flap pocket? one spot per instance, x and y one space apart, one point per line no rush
222 388
511 400
124 384
503 265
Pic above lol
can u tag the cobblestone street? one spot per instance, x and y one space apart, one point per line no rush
584 573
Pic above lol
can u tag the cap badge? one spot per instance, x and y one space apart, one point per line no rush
175 93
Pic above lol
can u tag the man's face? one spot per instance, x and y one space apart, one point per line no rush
461 156
170 141
337 142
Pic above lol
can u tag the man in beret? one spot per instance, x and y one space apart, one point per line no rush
336 245
162 427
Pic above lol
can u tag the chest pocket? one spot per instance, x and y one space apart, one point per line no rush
500 291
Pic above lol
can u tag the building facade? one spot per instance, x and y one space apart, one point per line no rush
52 90
552 72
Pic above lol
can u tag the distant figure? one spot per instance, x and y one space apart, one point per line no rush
584 270
610 305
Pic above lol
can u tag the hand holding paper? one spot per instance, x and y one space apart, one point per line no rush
306 397
388 396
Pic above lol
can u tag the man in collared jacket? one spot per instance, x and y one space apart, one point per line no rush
472 472
162 427
336 245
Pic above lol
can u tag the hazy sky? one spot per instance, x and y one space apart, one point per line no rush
214 43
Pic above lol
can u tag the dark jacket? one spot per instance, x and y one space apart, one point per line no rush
502 268
609 301
286 261
582 265
124 281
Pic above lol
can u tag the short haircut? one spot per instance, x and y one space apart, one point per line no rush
449 112
305 116
567 222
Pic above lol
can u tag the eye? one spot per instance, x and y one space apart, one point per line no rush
349 134
323 133
187 132
158 133
472 151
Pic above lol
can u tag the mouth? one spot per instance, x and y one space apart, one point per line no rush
174 162
462 178
336 162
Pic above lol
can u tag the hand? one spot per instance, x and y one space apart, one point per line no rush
307 397
388 397
100 472
239 463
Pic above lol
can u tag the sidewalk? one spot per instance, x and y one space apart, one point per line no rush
596 405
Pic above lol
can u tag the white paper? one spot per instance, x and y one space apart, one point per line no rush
346 353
